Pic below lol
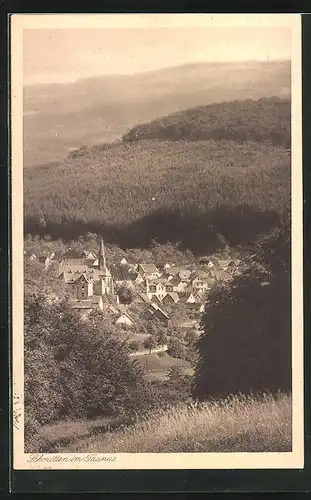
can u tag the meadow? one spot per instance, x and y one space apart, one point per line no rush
235 424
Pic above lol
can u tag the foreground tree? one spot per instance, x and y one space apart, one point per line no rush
76 369
246 343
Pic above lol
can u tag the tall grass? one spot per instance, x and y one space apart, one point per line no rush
236 424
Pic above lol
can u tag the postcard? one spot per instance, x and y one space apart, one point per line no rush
157 283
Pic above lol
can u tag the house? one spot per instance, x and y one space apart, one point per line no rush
155 312
200 295
84 307
187 297
200 281
89 255
80 286
181 272
141 298
160 315
123 261
149 271
33 257
111 310
118 314
100 274
155 300
178 284
137 278
86 283
158 287
73 257
124 320
170 299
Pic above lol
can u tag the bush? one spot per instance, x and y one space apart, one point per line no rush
176 348
134 346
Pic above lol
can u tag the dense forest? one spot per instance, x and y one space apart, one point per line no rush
266 119
172 188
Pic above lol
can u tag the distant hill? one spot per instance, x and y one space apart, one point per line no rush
267 119
59 118
187 191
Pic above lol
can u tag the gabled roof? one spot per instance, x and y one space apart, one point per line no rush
173 270
149 268
159 281
198 296
83 264
87 278
89 255
152 308
111 309
142 297
156 300
160 311
74 254
124 314
173 295
68 277
201 295
201 275
185 295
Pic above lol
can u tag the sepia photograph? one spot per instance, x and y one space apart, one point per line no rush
156 241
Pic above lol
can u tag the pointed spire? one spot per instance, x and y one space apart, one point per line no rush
102 256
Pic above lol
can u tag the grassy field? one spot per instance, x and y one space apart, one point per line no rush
232 425
158 364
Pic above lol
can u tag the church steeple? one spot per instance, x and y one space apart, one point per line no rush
102 256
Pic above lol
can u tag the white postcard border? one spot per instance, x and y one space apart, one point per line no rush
21 460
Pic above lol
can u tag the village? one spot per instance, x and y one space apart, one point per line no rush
130 293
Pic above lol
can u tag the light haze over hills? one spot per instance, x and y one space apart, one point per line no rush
60 117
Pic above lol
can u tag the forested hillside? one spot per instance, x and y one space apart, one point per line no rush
262 120
61 117
225 182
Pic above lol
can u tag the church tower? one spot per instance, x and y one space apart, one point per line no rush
105 277
102 257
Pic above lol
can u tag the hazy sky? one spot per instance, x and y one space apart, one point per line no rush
68 54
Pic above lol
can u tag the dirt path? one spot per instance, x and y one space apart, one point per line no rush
147 351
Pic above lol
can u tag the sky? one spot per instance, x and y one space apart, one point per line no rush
65 55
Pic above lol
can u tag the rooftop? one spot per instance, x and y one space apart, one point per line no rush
149 268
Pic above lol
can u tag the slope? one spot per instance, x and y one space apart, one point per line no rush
181 190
